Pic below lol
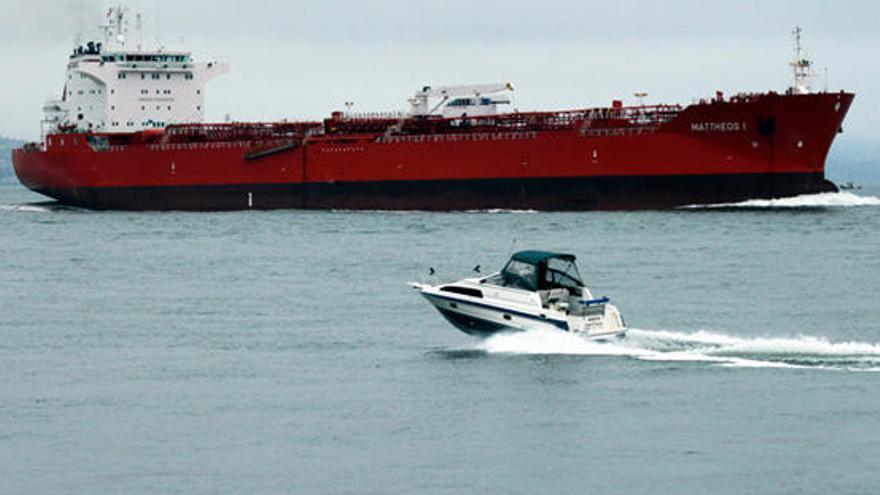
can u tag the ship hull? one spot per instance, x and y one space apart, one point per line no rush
769 146
560 194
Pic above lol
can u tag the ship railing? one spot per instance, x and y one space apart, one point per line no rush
374 116
198 146
642 116
400 124
621 131
742 97
437 138
239 131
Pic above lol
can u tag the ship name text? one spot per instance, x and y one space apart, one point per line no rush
719 127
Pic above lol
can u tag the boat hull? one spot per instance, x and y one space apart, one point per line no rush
483 320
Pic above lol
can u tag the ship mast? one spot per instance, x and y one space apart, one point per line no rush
116 30
801 66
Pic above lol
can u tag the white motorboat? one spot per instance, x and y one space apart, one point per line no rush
535 290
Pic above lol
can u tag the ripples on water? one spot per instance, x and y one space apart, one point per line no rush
268 352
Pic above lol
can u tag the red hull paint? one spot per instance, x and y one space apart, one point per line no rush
763 135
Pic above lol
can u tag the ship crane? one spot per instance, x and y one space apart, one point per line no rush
459 100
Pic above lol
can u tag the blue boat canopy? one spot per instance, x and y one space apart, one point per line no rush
542 270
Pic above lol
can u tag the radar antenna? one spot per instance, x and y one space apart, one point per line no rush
801 66
116 29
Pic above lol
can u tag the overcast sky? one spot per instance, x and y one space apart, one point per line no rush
302 59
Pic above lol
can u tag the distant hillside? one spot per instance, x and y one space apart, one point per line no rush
7 175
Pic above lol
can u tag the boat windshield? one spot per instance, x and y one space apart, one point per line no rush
520 275
561 273
544 274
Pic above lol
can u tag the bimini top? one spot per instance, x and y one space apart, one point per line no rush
541 270
535 257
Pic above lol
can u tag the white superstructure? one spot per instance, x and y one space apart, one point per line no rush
112 89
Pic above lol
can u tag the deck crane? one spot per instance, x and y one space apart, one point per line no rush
456 101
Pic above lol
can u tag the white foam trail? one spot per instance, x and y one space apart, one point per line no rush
822 200
549 342
25 208
496 211
709 347
799 345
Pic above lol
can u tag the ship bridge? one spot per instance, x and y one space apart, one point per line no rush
113 89
133 58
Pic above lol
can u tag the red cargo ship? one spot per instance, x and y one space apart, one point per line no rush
126 136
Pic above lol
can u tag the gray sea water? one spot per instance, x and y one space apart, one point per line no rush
282 352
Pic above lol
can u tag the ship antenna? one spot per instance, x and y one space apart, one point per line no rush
139 24
115 31
640 95
512 245
801 65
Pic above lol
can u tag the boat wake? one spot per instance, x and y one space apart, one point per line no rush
38 208
25 209
715 348
822 200
496 211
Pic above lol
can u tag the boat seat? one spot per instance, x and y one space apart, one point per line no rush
552 295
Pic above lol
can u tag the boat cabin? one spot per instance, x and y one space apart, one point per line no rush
554 277
542 271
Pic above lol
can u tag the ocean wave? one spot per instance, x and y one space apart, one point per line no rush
719 349
822 200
